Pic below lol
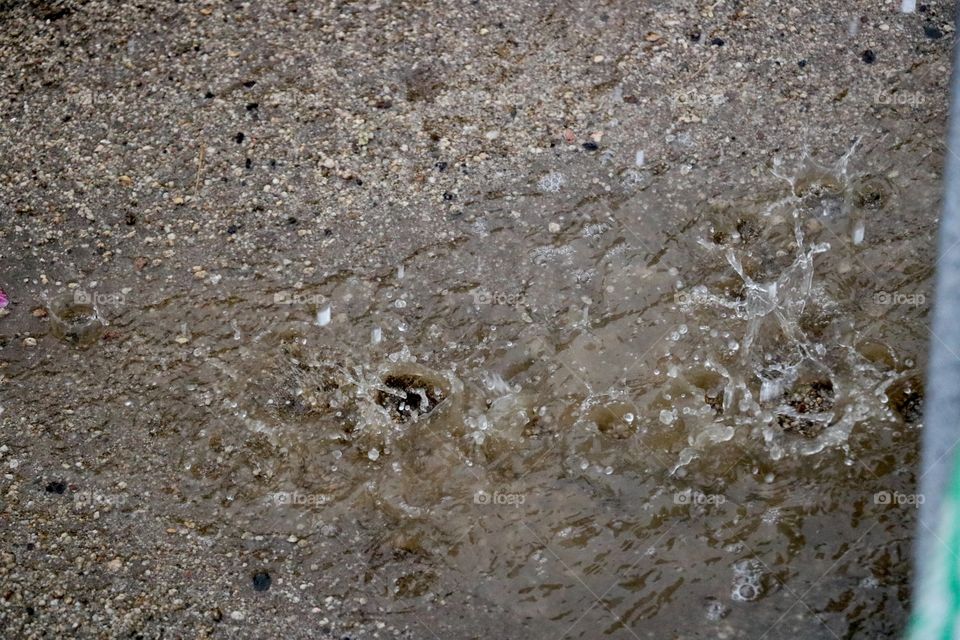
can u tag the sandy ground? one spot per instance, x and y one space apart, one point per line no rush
153 145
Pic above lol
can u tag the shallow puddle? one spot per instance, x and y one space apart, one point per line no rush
613 412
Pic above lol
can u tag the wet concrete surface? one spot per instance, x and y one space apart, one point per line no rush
464 320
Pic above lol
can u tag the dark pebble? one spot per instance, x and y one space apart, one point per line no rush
328 232
249 163
694 35
717 42
291 220
56 486
232 229
208 95
253 106
249 83
869 56
590 146
131 219
932 32
441 166
240 137
802 64
358 182
261 581
448 196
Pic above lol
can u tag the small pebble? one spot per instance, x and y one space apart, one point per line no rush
869 56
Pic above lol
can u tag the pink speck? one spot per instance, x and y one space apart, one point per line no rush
4 300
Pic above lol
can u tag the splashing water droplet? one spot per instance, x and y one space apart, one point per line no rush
323 316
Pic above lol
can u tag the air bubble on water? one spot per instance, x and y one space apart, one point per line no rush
584 465
400 272
673 271
400 303
870 582
716 610
673 371
337 454
608 470
376 335
628 418
745 592
667 417
682 329
373 454
747 580
552 182
771 516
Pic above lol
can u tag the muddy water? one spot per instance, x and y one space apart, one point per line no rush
600 407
